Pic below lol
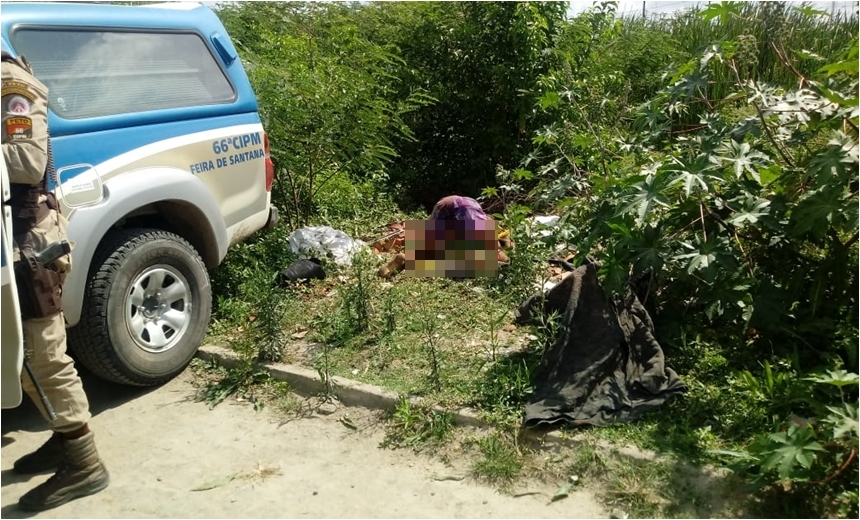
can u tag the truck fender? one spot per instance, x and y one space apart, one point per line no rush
127 193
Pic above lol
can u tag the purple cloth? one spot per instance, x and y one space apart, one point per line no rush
455 207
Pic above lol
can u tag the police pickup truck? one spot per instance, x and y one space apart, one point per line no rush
162 164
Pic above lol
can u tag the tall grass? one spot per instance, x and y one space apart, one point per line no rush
790 26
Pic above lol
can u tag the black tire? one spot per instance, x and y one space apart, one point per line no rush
132 333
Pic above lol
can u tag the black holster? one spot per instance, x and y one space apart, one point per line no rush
39 287
27 208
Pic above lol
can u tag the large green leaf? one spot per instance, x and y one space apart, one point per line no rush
810 11
690 86
697 260
769 305
819 210
843 420
693 175
847 61
793 448
709 259
751 211
723 10
549 100
651 248
726 295
834 165
838 378
647 194
713 51
742 158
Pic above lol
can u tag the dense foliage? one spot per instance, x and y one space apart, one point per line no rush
735 186
480 61
715 151
324 95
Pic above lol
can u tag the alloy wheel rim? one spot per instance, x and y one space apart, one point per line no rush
158 308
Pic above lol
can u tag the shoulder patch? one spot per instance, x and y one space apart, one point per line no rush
18 128
18 105
16 87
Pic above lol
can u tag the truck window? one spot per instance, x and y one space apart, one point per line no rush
105 72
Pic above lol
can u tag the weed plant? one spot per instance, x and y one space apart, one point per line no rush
389 311
417 427
359 293
331 329
493 326
500 460
245 380
430 327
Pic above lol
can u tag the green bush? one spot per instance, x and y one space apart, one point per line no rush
324 95
735 185
479 61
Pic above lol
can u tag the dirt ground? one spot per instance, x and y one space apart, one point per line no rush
163 450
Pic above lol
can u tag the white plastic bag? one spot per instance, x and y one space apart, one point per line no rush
548 221
322 240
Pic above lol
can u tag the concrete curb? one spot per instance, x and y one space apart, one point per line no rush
307 382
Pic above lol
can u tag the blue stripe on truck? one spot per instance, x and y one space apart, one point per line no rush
76 149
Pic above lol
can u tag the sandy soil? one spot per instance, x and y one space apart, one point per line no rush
160 445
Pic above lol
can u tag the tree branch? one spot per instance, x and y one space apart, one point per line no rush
576 170
731 229
309 206
295 210
325 180
599 142
688 130
784 57
687 226
784 153
839 471
835 237
785 157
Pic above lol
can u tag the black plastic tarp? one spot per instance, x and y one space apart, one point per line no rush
605 364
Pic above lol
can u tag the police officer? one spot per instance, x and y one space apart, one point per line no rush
37 223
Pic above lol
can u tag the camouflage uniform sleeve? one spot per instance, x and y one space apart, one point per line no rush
24 129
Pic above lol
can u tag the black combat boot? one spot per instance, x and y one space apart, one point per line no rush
46 458
81 473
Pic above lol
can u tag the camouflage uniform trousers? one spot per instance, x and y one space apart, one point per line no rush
45 344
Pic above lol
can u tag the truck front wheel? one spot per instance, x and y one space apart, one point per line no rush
146 308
